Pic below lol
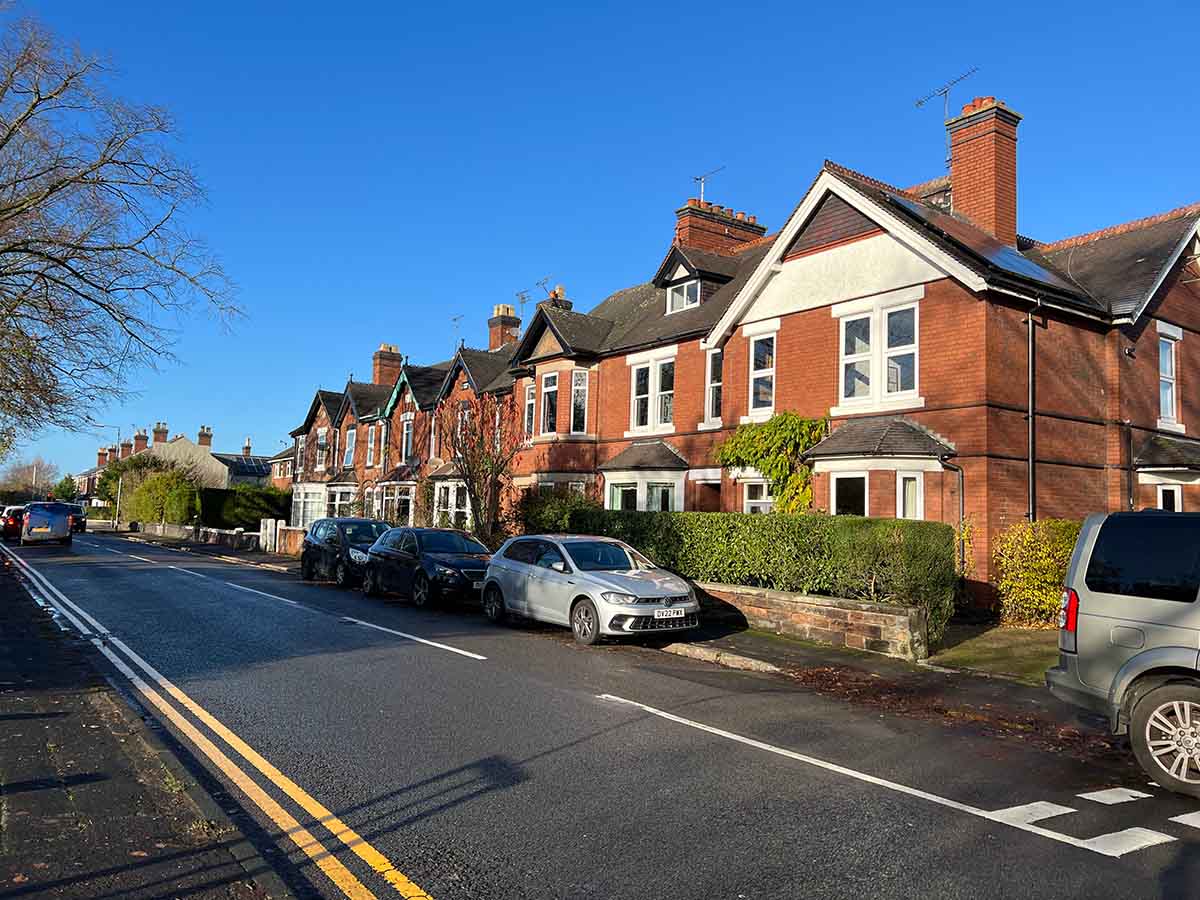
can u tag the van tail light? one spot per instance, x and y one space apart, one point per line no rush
1068 620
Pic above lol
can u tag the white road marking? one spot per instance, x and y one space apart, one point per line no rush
1113 796
242 587
1117 844
1190 819
189 571
413 637
1030 813
142 558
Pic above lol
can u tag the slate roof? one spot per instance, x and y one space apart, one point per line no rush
366 399
344 476
1163 452
655 455
880 436
245 466
426 381
580 332
399 473
330 400
445 470
488 369
285 453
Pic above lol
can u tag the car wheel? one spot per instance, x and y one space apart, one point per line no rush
66 542
341 575
493 604
422 590
585 622
1165 733
306 571
369 588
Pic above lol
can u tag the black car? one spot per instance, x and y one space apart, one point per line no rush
427 564
78 518
337 549
13 517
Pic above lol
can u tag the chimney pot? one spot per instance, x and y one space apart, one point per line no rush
713 227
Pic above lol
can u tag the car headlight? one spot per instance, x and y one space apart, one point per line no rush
357 556
618 597
444 572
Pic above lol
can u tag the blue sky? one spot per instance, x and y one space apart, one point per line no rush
375 168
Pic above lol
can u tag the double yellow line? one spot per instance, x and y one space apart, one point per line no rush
153 687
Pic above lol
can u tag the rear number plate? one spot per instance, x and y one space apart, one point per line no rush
669 613
41 528
477 585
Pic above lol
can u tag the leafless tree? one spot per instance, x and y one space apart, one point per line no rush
481 435
33 477
96 265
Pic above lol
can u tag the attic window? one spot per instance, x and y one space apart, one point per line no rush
683 296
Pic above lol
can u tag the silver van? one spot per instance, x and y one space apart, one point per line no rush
1129 637
46 522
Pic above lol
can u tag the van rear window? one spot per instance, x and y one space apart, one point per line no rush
1147 555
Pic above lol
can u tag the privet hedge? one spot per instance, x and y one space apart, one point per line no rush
243 506
1031 567
893 561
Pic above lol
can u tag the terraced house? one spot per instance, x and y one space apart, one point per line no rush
967 371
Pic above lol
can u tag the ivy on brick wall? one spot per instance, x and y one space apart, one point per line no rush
774 448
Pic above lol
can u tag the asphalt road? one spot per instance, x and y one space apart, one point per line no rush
509 763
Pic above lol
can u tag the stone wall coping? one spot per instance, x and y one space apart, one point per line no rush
885 609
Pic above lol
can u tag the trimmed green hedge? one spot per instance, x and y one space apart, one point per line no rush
1031 568
162 497
243 506
894 561
547 512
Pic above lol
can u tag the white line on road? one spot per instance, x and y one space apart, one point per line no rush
1116 844
142 558
1030 813
189 571
413 637
1192 820
242 587
1113 796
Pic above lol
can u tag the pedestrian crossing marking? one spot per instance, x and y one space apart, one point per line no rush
1113 796
1192 819
1031 812
1121 842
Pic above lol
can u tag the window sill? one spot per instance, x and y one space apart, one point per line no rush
761 415
651 432
712 425
1177 427
877 406
560 437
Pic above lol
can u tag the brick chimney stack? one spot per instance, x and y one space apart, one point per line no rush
557 299
160 432
983 166
126 448
246 447
205 437
503 326
718 229
114 453
140 440
102 457
386 364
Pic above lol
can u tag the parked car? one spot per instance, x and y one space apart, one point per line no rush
427 564
1129 633
337 549
596 585
78 518
12 517
50 521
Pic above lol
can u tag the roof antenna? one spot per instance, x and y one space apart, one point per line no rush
522 299
542 282
456 320
703 179
944 93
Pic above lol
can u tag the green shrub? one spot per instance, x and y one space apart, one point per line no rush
163 497
547 512
243 506
892 561
1031 567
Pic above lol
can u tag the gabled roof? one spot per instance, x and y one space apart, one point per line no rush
1163 452
364 400
645 455
285 453
888 436
486 370
425 382
579 334
245 466
697 262
331 401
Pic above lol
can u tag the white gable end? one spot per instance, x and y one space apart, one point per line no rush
680 272
859 269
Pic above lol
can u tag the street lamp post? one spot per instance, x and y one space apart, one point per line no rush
116 509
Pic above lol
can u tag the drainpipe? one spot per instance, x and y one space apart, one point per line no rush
962 506
1131 475
1031 441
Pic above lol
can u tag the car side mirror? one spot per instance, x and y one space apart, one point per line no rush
559 566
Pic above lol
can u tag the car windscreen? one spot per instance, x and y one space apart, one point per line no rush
605 556
49 508
363 532
450 542
1147 555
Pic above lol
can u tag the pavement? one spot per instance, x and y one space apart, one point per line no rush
384 749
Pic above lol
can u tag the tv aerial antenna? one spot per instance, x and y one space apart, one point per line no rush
456 320
522 299
944 93
542 282
703 179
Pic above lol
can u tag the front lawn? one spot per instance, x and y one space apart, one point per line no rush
1021 653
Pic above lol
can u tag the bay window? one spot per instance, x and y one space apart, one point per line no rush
579 398
623 497
549 403
910 500
758 497
848 494
660 497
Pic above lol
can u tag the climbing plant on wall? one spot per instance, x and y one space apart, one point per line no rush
774 448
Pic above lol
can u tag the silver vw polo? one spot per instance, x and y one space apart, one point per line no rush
596 585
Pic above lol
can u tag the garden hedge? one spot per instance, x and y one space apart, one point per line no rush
894 561
1031 566
243 506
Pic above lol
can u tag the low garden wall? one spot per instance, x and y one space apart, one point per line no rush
899 631
289 540
237 538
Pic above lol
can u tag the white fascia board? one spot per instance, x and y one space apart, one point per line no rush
761 327
1188 237
655 354
827 183
704 474
885 300
877 464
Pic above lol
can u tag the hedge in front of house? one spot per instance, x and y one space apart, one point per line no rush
894 561
1031 567
243 506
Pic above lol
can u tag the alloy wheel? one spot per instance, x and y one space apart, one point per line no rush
1173 737
420 594
585 621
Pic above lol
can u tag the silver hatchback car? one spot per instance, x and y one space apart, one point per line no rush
1129 637
46 522
596 585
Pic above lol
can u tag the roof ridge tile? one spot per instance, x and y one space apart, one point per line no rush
1122 228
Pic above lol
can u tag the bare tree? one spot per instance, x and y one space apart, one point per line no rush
95 263
482 434
33 477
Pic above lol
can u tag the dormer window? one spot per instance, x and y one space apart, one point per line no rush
683 296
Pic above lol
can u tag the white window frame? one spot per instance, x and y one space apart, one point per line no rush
682 290
301 440
901 475
835 477
451 508
1169 337
348 453
385 432
530 409
710 421
433 447
877 309
371 446
641 480
766 502
763 412
653 360
659 394
1176 489
322 448
546 378
579 385
634 397
406 437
